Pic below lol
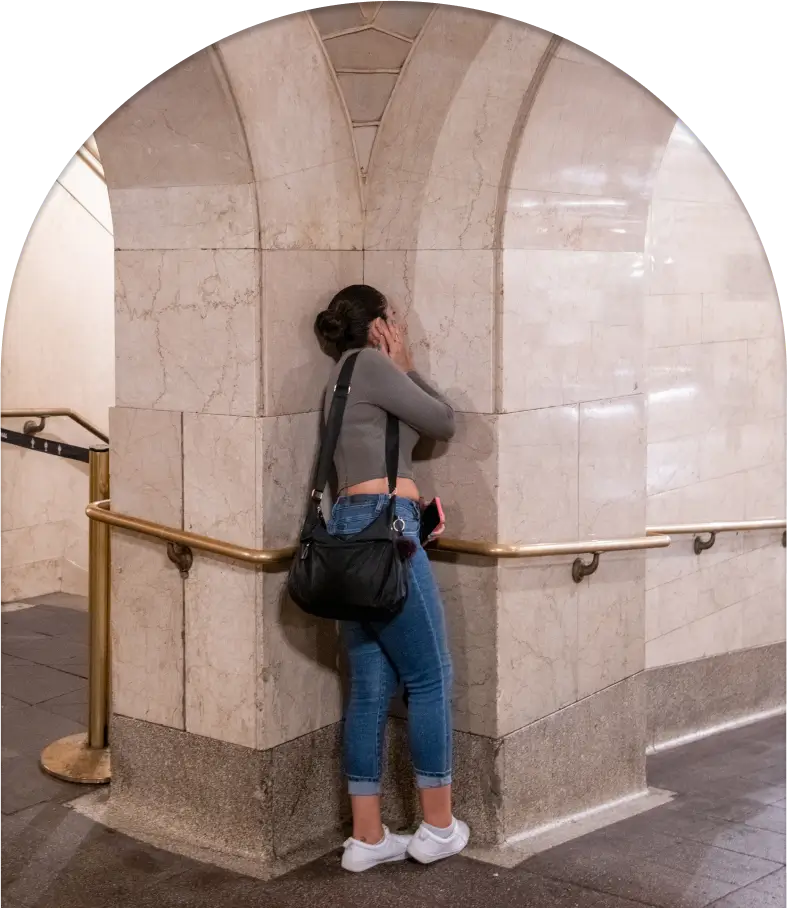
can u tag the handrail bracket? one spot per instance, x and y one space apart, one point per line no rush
580 569
181 556
702 545
31 427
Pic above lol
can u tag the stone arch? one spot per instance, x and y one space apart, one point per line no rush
241 211
368 45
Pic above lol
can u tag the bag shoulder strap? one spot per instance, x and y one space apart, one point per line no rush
392 451
334 424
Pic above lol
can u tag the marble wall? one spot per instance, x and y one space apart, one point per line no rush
220 267
58 351
508 200
716 399
217 327
571 382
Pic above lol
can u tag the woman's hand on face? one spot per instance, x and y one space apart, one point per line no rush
392 341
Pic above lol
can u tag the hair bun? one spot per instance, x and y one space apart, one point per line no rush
331 325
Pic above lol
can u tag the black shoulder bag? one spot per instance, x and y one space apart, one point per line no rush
351 578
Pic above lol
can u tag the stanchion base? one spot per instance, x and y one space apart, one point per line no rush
71 760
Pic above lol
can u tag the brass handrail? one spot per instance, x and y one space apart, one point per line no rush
31 428
710 529
719 526
102 512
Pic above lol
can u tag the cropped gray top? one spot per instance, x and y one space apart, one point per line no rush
379 387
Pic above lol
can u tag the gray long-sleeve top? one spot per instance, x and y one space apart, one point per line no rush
378 387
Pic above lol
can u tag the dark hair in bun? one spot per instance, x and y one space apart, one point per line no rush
345 323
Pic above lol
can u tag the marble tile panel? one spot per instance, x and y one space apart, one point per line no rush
367 50
717 633
182 129
766 376
330 19
185 217
288 452
693 389
41 542
366 94
567 50
364 141
403 18
538 457
537 641
592 131
287 97
665 565
700 247
612 470
220 499
408 138
464 473
611 622
298 684
583 223
764 617
741 316
296 286
317 208
674 321
187 330
723 498
37 578
147 591
469 590
736 448
446 297
673 464
765 491
672 605
572 327
460 200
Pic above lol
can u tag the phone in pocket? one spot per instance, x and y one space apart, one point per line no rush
431 518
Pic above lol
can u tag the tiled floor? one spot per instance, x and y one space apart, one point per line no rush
720 843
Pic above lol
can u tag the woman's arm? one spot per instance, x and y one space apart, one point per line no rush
407 396
424 385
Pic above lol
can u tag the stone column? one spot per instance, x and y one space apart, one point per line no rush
504 211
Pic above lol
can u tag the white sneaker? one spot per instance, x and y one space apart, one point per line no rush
426 847
359 856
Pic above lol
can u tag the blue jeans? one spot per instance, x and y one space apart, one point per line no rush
412 648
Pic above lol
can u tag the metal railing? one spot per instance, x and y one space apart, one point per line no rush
86 758
699 530
181 542
34 428
83 757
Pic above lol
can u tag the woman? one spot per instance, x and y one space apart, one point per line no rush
412 647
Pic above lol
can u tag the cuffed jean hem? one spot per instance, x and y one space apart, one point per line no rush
432 781
363 787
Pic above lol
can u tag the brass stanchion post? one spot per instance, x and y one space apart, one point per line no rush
85 757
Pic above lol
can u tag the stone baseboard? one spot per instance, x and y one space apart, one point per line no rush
577 759
270 806
692 698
